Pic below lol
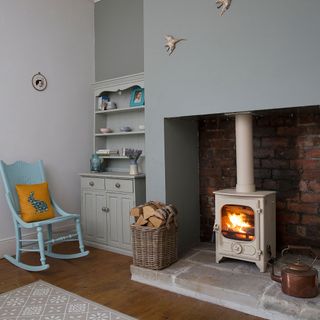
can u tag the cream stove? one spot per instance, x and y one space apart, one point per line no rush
245 218
245 226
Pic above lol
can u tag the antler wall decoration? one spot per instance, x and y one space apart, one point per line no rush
224 4
171 43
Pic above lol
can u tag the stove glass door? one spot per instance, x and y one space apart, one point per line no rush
237 222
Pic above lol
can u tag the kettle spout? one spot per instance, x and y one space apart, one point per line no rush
274 277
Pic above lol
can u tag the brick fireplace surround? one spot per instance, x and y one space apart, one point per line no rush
286 159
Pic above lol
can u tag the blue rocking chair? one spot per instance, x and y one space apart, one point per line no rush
25 173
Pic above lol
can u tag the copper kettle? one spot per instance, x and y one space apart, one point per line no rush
298 279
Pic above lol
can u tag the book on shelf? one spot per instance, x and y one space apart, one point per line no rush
103 103
107 152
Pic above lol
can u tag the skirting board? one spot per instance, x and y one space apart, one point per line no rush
107 248
8 245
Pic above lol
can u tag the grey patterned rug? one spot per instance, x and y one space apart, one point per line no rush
43 301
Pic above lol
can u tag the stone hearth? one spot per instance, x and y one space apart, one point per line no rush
234 284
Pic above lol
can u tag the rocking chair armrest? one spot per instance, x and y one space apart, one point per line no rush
61 212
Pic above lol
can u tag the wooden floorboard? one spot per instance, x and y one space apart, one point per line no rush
104 277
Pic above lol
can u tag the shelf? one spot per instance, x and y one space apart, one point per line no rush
120 110
121 83
119 133
116 157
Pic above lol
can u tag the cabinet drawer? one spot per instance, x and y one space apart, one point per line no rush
119 185
92 183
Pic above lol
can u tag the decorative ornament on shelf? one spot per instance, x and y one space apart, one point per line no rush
96 163
125 129
106 130
224 4
133 156
39 82
171 43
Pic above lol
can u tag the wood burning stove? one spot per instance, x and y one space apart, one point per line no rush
245 218
245 226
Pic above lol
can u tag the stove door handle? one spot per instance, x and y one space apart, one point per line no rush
216 227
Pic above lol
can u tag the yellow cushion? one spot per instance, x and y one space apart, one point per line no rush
35 204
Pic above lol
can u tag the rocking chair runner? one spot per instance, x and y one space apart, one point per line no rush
25 173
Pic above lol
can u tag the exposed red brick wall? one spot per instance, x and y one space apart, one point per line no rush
286 158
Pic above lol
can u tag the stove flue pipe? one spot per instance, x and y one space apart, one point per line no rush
244 151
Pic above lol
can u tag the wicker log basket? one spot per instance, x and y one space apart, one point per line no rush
155 248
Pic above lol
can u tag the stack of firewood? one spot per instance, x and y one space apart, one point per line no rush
154 214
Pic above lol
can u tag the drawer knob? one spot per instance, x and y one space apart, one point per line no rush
104 209
117 185
91 183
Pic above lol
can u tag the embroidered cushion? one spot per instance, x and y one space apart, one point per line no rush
35 204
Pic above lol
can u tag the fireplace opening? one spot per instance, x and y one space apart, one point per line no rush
286 159
200 159
237 222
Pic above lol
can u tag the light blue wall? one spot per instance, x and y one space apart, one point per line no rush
261 54
118 38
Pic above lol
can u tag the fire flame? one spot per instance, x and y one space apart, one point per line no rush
237 222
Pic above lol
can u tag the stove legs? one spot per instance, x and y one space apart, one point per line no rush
262 265
218 257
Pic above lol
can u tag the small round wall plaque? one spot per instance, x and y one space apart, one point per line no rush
39 82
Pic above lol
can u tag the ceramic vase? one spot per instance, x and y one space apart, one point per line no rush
95 163
133 169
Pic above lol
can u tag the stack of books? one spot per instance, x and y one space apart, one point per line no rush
107 152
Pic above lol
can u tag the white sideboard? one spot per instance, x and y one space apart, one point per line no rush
106 200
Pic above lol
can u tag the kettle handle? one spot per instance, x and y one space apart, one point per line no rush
274 276
301 248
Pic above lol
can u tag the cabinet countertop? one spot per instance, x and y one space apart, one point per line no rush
117 175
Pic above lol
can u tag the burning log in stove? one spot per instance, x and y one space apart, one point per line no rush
248 236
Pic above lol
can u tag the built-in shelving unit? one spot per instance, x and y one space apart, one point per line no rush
131 109
119 91
107 197
119 133
116 157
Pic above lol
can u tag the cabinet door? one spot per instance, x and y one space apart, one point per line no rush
118 230
126 220
93 216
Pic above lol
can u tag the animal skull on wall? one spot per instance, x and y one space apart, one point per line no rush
224 4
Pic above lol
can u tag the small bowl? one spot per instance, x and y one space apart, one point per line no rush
141 127
106 130
125 129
